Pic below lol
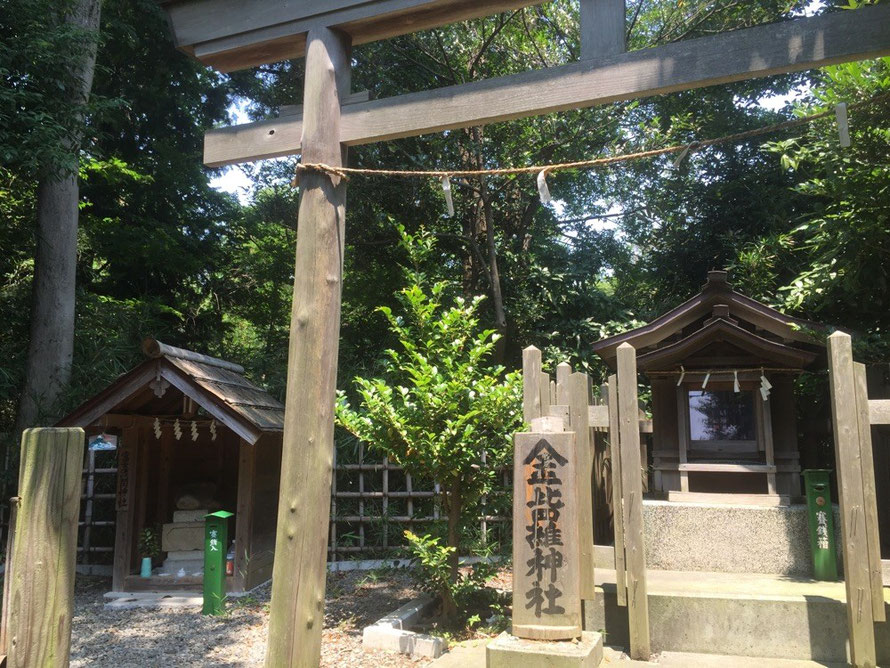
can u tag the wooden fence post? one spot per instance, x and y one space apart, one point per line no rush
579 414
45 550
563 380
632 493
531 384
869 495
298 579
618 517
7 578
845 423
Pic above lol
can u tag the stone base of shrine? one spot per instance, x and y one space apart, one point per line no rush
729 538
507 651
737 614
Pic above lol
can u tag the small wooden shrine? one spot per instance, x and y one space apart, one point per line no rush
193 436
722 368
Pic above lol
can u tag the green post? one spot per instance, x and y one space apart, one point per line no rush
216 540
821 517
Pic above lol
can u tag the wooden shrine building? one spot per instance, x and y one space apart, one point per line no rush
722 368
193 436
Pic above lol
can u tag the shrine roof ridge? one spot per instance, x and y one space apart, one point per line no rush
797 346
216 385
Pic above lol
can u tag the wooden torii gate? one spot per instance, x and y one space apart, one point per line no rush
236 34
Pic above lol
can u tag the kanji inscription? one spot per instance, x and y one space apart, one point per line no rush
544 535
546 558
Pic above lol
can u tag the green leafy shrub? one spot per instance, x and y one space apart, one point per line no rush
433 573
440 409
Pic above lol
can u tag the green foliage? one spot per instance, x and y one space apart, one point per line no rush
38 121
148 544
439 408
433 571
839 248
802 223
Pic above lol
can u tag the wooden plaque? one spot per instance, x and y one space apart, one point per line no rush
546 555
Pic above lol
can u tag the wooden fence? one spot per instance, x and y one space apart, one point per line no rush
853 416
617 472
373 501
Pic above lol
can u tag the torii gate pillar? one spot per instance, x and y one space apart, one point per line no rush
298 577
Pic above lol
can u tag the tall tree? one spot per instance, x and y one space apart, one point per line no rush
51 88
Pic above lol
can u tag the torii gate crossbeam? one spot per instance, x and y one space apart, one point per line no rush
774 48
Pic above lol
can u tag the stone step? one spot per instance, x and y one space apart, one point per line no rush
155 600
738 614
687 660
471 654
185 555
190 567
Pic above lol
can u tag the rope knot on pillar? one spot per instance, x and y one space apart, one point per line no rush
335 173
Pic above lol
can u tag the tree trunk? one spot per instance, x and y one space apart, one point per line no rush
51 344
454 508
497 297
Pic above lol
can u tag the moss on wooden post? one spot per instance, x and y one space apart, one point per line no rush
45 551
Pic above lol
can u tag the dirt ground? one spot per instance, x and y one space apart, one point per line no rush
176 637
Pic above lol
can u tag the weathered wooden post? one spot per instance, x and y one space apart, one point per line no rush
869 495
845 423
579 416
7 578
531 384
298 581
632 501
547 617
45 550
610 392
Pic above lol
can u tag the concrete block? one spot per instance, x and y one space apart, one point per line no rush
742 615
507 651
409 614
391 634
389 639
189 515
728 538
182 536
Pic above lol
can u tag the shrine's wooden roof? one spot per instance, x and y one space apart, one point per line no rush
236 34
217 386
720 326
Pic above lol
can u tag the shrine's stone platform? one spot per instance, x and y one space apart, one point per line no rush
739 614
729 538
507 651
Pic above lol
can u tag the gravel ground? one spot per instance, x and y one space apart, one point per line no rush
171 637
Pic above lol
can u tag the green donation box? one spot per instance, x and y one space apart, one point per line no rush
821 518
216 538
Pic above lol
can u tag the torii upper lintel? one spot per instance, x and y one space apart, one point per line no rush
236 34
